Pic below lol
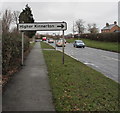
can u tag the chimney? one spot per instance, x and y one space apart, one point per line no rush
107 24
115 22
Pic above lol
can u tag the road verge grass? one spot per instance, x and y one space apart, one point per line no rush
77 87
109 46
45 45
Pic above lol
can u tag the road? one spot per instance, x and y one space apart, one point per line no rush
103 61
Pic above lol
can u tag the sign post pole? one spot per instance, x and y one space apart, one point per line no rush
63 48
22 48
55 45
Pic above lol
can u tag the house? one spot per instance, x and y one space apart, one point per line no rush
111 28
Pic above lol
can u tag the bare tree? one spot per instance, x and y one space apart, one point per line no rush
0 29
16 16
0 24
6 20
0 14
92 28
80 26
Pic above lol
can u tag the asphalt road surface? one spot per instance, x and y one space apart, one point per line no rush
103 61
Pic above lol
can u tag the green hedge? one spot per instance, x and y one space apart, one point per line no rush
107 37
11 51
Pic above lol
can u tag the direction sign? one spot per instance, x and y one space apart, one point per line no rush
43 26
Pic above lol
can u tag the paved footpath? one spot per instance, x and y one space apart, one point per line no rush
29 89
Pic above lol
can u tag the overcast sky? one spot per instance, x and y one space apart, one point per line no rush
91 12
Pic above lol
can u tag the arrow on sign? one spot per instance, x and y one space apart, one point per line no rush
62 26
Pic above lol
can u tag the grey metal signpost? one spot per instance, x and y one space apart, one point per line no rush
41 26
55 44
63 48
22 48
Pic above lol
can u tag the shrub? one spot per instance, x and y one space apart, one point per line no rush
107 37
11 51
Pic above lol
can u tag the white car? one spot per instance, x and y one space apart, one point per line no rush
59 43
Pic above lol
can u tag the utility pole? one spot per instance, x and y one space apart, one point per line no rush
73 29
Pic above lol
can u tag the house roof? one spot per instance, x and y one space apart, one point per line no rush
109 27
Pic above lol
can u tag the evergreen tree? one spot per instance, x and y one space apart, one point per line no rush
27 17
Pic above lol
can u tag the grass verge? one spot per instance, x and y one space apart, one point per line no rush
109 46
32 44
46 45
77 87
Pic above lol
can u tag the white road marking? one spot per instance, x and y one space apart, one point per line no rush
87 63
109 58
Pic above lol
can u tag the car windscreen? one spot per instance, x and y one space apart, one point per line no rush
79 41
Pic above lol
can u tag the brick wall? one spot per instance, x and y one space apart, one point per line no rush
115 28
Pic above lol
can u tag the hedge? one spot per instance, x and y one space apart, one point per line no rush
11 51
107 37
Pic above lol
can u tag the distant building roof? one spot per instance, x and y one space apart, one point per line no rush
109 27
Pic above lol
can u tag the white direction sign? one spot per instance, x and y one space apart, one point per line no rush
43 26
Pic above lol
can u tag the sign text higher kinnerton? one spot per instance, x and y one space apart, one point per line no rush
43 26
